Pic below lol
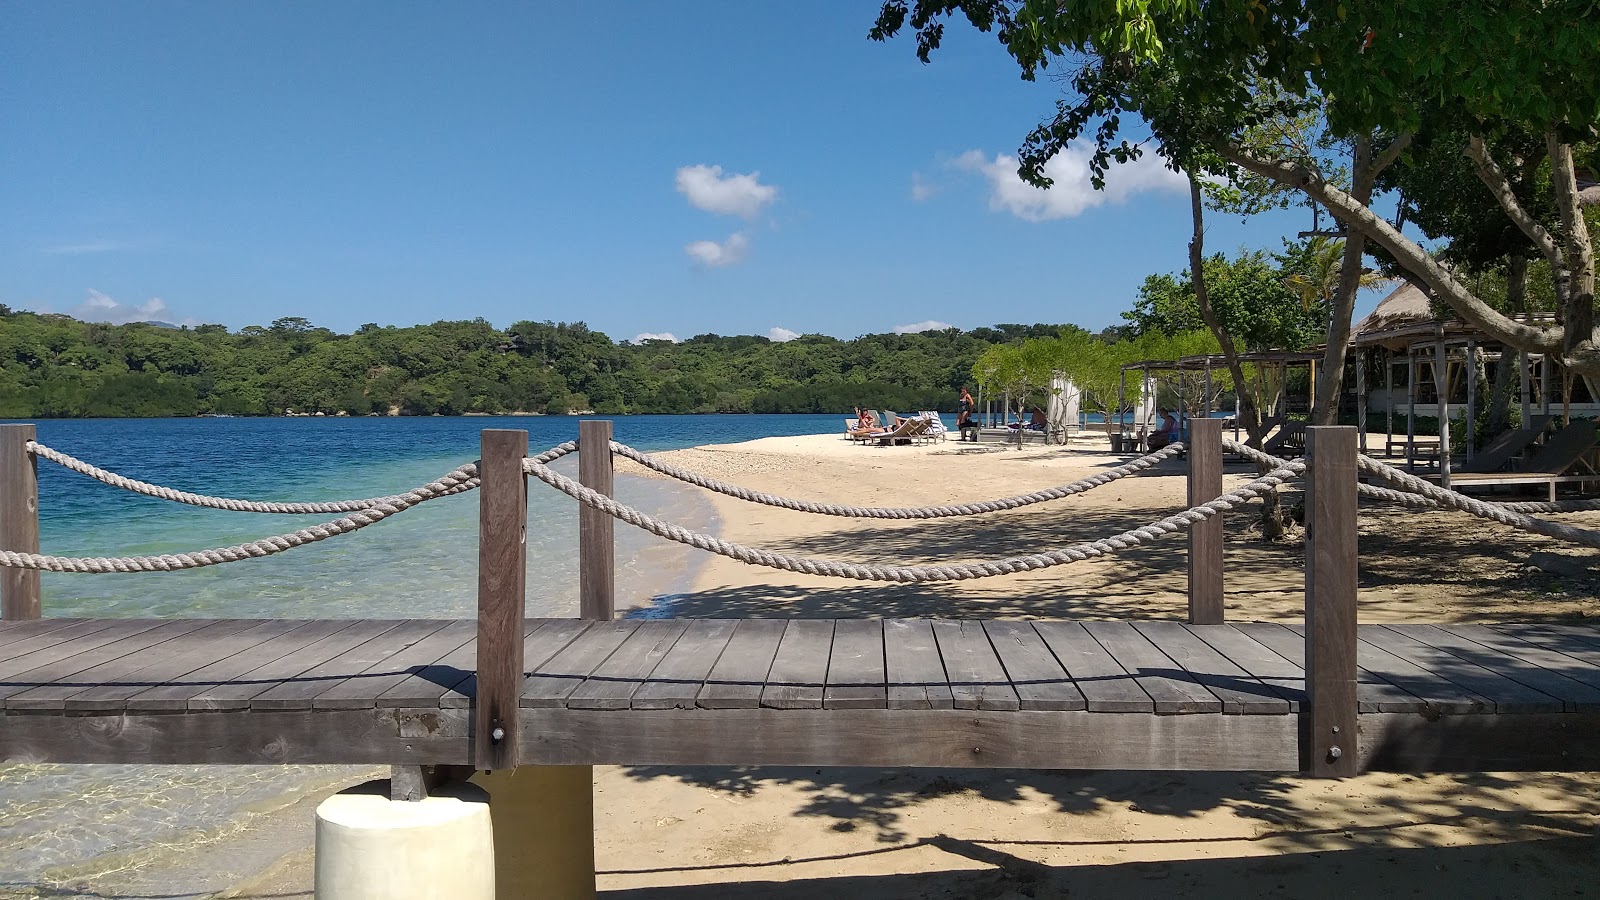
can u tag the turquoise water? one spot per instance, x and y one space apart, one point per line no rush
82 823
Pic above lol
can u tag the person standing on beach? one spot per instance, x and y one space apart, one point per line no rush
964 421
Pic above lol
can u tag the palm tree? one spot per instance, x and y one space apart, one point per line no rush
1325 261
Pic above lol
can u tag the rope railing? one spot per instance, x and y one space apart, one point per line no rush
911 512
918 574
1492 511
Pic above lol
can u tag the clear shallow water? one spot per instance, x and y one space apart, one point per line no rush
70 821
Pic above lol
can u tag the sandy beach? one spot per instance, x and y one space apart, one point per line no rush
667 833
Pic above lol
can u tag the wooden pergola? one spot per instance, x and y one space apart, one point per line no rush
1201 367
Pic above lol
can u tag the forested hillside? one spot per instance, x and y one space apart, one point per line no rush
55 366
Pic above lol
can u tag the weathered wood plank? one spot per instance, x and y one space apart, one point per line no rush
1106 685
611 686
301 691
1332 705
1285 678
903 738
1533 742
551 683
221 642
1205 538
1437 695
1039 679
543 641
11 632
237 691
857 674
739 676
176 694
977 678
17 670
502 595
1174 690
51 637
679 678
19 521
1528 654
1577 642
1373 694
913 667
123 660
1507 696
362 689
799 671
47 687
597 546
1239 692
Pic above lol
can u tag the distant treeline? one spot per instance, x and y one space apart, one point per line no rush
54 366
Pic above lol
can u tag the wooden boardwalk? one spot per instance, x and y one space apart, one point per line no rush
898 692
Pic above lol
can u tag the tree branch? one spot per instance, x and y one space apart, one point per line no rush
1500 186
1416 260
1579 251
1390 154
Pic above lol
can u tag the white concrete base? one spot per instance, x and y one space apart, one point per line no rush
372 848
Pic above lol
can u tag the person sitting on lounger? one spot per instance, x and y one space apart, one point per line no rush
1167 433
1037 421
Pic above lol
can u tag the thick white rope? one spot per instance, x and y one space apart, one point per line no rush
1492 511
1010 565
913 512
258 506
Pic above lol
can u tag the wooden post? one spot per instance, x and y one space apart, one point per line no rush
502 578
1522 378
596 531
1361 401
1388 403
19 521
1544 384
1411 410
1471 438
1441 382
1205 538
1328 727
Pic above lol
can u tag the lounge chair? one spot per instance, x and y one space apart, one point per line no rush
1500 452
936 430
902 433
1551 464
1289 442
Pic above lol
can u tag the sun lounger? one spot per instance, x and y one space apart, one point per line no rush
1289 442
1552 464
903 433
1503 450
936 430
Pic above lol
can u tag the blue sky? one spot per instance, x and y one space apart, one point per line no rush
647 168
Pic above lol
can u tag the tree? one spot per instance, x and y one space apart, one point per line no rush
1375 74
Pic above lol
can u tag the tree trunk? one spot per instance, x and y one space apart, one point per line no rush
1505 378
1272 518
1330 387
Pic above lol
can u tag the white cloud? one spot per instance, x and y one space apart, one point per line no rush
736 195
922 190
663 336
101 308
916 327
781 334
713 255
1072 193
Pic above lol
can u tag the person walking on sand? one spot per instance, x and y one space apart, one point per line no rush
964 420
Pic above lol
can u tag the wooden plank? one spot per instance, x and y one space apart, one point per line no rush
896 738
977 677
277 667
1036 675
547 638
208 680
1106 685
857 674
12 632
1534 742
799 671
502 594
52 637
1331 737
681 674
19 522
46 686
165 649
362 690
739 676
1174 691
597 545
300 691
612 685
1438 696
1577 642
1285 678
1508 696
1532 654
550 684
1373 694
90 637
913 668
1240 693
1205 538
219 644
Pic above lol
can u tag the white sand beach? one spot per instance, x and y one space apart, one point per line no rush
664 833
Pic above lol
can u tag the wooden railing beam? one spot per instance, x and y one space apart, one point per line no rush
1329 741
1205 538
502 577
596 530
19 522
